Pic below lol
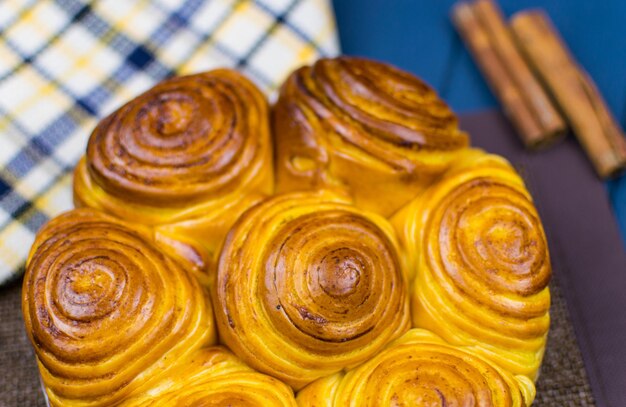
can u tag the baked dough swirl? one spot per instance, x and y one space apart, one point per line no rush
482 267
419 369
367 127
215 377
308 285
188 156
106 312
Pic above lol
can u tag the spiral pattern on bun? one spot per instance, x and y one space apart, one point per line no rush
308 285
215 377
364 126
419 369
188 139
189 155
105 311
481 260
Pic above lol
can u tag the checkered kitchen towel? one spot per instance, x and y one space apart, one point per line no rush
64 64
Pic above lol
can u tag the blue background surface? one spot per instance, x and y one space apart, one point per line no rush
417 35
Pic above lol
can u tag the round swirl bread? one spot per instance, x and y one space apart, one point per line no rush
106 312
215 377
420 369
188 156
387 221
308 285
367 127
479 255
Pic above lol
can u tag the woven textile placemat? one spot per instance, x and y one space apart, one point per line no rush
562 382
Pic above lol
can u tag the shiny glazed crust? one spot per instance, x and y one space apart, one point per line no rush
369 128
215 377
479 259
106 312
308 285
420 369
187 157
384 220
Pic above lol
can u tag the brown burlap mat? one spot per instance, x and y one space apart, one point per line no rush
563 381
19 380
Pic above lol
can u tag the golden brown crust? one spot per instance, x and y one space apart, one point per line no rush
186 140
105 311
310 288
353 123
308 285
480 261
186 157
215 377
419 369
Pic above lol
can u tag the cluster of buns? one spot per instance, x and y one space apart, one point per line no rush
345 247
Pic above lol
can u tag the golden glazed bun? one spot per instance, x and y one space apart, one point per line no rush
369 128
186 157
215 377
106 312
308 285
420 369
480 260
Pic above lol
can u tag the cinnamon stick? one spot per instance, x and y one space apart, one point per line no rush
573 90
483 29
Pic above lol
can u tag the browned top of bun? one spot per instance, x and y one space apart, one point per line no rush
392 107
186 139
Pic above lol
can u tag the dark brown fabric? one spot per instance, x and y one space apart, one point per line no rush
596 263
